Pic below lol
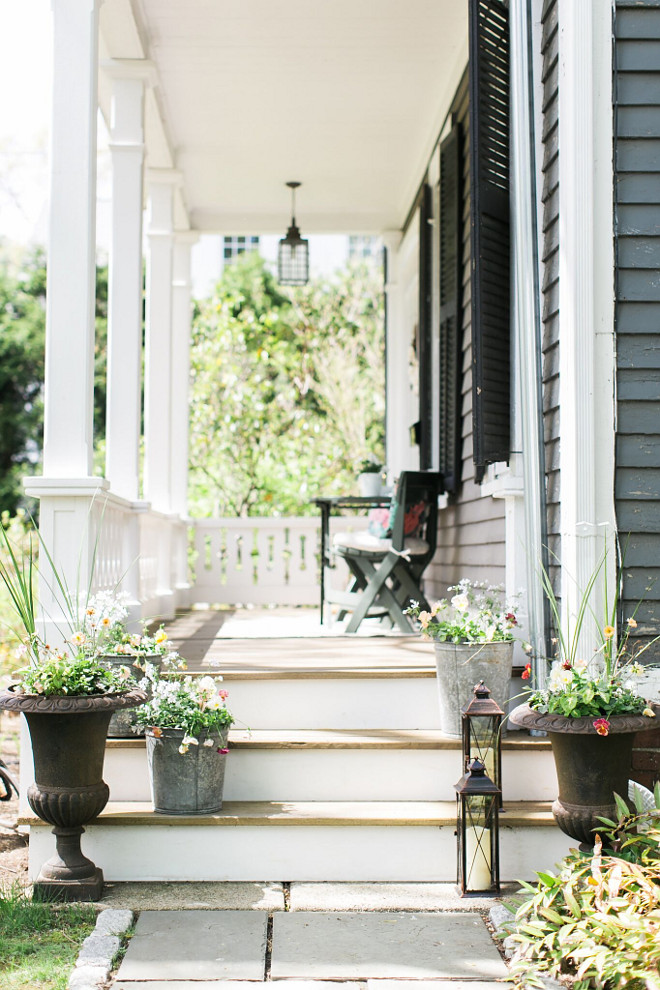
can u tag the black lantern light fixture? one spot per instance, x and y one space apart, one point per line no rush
478 832
481 723
293 251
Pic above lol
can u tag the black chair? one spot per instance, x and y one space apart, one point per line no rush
387 561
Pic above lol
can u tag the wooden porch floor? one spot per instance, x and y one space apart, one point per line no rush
263 642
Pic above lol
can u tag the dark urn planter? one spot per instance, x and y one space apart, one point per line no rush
68 743
590 768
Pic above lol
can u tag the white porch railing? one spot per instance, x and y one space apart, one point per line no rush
261 561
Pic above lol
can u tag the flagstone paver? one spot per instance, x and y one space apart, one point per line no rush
358 946
173 896
196 945
307 896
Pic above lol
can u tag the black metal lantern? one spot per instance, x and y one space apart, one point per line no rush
293 251
478 832
482 733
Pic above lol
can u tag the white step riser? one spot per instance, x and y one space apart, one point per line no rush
338 703
340 853
343 775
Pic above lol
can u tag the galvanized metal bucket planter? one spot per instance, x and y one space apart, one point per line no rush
590 768
123 724
186 783
459 666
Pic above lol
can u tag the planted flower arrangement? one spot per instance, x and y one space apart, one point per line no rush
591 708
186 724
67 695
473 634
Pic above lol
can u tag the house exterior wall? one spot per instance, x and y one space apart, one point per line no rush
550 274
471 537
637 246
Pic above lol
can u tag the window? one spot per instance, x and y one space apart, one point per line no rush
233 246
364 247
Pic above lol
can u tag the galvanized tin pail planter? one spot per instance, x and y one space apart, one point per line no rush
123 724
459 666
186 783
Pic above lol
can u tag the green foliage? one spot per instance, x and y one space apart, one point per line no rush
16 539
39 942
22 329
597 921
62 674
287 391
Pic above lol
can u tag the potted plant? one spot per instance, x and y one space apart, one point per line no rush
473 635
102 631
187 724
67 697
591 710
370 478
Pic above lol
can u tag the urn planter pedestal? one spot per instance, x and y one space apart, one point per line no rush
68 743
459 666
590 768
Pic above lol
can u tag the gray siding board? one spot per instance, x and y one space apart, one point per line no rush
639 385
637 155
640 56
635 24
635 220
639 317
640 252
639 352
638 418
639 449
636 483
638 89
638 187
639 284
638 122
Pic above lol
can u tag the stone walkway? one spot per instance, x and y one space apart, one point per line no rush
314 936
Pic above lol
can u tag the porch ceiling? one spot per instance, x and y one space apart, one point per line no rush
346 96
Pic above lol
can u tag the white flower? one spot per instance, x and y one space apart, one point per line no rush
208 743
183 749
190 741
206 687
460 602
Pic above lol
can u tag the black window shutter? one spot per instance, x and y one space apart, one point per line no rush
489 223
451 309
425 331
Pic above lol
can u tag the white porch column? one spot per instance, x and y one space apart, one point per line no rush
123 421
69 371
181 323
586 296
396 442
158 349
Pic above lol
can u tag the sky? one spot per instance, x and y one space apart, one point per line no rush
25 71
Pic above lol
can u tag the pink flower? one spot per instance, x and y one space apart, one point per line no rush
223 694
602 727
223 751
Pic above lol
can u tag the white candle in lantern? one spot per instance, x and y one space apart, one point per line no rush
477 858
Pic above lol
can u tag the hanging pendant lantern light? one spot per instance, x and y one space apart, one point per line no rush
293 251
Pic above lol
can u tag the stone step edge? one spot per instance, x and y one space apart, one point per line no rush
340 739
436 814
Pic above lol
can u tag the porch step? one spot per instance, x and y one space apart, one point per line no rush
341 841
344 765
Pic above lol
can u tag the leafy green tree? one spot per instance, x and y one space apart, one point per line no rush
22 323
287 390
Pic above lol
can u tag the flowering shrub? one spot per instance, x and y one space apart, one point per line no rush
195 705
477 613
605 684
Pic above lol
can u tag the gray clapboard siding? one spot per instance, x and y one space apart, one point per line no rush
637 247
471 529
550 277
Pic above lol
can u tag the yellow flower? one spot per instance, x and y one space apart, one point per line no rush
160 637
649 713
609 632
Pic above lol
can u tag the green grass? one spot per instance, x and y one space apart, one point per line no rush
39 943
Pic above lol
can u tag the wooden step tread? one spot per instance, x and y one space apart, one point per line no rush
320 813
308 739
